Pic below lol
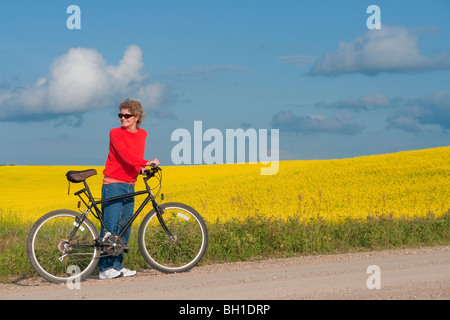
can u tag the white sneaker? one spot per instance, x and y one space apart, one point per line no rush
127 273
109 274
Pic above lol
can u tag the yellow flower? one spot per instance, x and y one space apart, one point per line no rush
405 184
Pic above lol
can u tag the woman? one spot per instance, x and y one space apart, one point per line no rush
124 163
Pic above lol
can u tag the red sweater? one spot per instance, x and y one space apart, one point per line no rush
126 154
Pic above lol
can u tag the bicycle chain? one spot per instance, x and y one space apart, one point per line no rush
112 245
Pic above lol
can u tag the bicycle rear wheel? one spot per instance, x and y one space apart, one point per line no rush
53 255
181 252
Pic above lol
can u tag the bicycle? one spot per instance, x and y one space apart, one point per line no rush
64 245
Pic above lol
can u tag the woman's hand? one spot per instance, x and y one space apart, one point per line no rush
148 164
155 161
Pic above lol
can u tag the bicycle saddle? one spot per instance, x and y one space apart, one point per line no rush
80 176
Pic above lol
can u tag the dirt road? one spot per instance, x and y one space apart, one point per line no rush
422 273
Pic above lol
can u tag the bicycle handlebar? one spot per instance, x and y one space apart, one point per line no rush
151 172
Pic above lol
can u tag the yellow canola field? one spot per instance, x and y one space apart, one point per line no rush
405 184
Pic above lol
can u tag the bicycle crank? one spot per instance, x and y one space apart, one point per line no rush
113 245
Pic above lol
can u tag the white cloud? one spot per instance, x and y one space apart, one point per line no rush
81 80
431 109
368 102
341 122
151 95
389 49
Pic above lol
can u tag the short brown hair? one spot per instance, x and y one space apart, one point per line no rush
134 107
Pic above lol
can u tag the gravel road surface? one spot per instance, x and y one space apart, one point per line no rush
419 273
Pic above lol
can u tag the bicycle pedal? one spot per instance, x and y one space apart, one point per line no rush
126 249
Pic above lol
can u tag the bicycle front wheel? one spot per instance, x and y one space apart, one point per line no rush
58 256
184 249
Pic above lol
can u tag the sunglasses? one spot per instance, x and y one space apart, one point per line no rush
126 116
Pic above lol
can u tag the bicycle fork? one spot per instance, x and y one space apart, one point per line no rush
159 213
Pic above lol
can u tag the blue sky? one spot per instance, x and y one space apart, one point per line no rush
311 69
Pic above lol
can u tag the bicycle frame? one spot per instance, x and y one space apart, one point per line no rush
92 203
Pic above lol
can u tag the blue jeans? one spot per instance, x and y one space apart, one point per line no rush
115 216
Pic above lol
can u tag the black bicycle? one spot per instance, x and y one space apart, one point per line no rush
64 244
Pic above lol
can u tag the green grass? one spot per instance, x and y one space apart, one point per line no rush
259 238
13 258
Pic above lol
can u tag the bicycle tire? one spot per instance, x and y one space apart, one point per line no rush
168 255
47 244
